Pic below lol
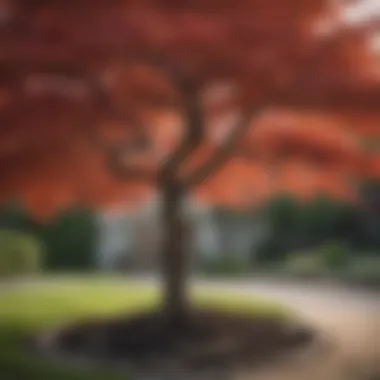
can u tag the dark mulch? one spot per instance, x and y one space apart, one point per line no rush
209 339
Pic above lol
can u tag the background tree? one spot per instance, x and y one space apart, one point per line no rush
108 101
69 238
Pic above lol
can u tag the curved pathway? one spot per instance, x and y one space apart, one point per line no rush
349 319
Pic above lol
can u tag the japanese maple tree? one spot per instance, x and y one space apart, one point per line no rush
112 100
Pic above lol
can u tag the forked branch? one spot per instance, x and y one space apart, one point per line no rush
224 151
192 114
194 134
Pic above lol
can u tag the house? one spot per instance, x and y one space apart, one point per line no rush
133 239
114 238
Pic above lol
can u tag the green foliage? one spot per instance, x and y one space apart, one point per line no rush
283 213
225 265
13 216
364 271
269 250
305 264
335 255
295 226
20 253
335 261
70 241
326 219
329 257
370 214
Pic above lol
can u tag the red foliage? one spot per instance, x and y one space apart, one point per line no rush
94 72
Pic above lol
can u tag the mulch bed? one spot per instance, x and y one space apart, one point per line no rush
210 339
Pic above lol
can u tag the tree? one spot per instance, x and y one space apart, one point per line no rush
113 100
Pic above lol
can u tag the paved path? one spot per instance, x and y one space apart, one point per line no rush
349 318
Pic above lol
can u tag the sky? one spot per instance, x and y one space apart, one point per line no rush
366 11
362 11
356 13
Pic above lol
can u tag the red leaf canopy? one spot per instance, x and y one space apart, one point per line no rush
77 78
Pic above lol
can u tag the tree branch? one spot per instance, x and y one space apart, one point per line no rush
193 114
223 153
193 137
116 152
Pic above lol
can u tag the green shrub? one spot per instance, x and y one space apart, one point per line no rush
20 253
365 271
268 251
70 241
329 258
225 266
305 264
334 255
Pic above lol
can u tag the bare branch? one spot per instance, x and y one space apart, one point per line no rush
223 153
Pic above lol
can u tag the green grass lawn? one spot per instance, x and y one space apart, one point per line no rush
28 309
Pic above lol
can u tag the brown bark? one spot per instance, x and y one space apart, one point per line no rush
176 247
175 255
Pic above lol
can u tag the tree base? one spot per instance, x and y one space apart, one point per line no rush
208 339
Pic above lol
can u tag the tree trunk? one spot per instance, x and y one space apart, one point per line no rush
175 256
